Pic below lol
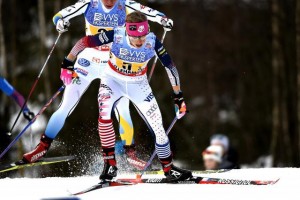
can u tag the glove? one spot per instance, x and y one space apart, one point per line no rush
28 115
67 71
180 107
167 23
62 26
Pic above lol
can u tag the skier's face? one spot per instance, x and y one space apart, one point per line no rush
109 3
137 41
210 164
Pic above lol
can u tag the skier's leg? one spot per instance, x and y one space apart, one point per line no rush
109 94
122 114
71 97
126 131
142 97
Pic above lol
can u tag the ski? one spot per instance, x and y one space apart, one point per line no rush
200 180
192 180
160 172
104 184
43 161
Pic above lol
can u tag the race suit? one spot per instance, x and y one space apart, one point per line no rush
91 62
126 77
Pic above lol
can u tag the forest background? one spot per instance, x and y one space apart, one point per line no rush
238 60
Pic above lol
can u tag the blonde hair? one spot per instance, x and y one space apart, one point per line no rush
136 16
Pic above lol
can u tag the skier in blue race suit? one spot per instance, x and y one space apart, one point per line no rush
100 15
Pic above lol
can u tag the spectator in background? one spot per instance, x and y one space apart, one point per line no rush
212 157
230 155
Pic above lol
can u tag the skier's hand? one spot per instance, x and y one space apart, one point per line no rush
28 115
62 25
180 106
67 72
167 23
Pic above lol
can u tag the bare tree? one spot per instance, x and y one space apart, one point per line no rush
283 136
298 67
276 64
42 25
3 70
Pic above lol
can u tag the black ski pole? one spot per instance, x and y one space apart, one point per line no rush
154 152
34 84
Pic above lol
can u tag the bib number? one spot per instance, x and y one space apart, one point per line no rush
127 66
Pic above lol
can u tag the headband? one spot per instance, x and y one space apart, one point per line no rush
137 29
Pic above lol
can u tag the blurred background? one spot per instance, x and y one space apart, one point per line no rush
239 64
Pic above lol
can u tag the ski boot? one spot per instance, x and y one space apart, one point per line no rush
172 172
39 151
109 169
132 158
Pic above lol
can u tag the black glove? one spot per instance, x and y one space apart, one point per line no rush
28 114
67 64
180 106
67 72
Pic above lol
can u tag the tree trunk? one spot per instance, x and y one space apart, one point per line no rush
298 68
13 44
42 25
3 69
276 65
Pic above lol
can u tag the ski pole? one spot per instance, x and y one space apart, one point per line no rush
154 152
155 59
34 84
29 124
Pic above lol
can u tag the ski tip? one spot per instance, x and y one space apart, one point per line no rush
65 158
57 159
71 157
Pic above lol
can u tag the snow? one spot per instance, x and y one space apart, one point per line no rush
55 188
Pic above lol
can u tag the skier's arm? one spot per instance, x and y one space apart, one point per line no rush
9 90
67 72
152 15
89 42
167 62
61 19
165 58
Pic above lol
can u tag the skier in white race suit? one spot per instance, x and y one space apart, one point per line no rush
100 16
126 77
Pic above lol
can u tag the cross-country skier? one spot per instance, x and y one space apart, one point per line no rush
9 90
132 47
100 15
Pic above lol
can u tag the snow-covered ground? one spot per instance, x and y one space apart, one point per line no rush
60 188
